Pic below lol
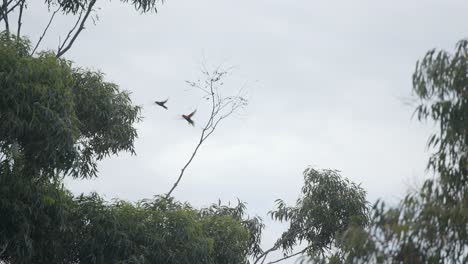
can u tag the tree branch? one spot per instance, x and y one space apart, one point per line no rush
71 30
264 254
45 31
64 48
275 247
290 256
5 15
218 103
20 17
8 10
186 165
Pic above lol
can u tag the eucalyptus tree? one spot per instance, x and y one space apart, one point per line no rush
329 205
59 119
56 120
431 224
12 15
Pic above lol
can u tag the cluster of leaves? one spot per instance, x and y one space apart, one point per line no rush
58 118
328 206
44 223
430 225
441 83
75 6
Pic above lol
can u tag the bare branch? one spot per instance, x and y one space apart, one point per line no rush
64 48
5 15
20 17
45 31
4 7
185 167
8 10
71 30
218 104
195 85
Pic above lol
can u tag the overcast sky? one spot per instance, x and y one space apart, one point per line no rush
327 83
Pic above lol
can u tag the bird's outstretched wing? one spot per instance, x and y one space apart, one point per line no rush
191 114
162 103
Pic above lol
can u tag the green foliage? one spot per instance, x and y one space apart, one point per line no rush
328 207
33 217
154 231
57 118
106 117
429 226
235 235
36 107
75 6
441 83
45 224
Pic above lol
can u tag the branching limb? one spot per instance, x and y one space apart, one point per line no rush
8 10
275 247
45 31
5 15
221 108
67 44
61 46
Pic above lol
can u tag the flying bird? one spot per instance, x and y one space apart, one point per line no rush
162 103
189 118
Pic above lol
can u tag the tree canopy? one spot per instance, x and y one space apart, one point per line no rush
429 225
58 119
82 10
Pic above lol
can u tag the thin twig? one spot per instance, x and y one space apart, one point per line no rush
63 49
71 31
275 247
45 31
218 103
200 142
265 254
290 256
185 167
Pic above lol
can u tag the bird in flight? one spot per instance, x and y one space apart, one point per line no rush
189 118
162 103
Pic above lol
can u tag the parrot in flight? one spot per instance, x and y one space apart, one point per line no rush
189 117
162 103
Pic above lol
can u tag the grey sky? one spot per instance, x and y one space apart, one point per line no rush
327 85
